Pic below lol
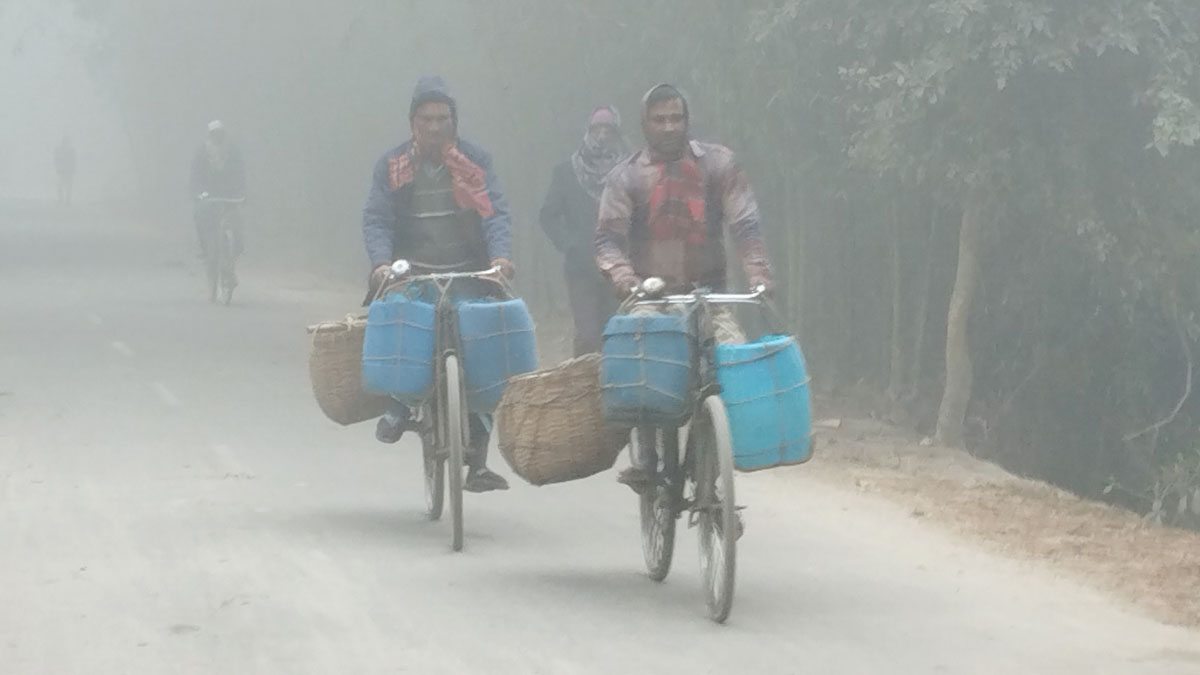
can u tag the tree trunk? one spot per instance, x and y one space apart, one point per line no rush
959 375
896 377
797 263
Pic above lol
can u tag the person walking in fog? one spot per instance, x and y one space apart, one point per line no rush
436 202
568 217
64 166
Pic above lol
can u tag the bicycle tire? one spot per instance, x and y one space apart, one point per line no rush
657 507
455 417
717 507
212 267
435 477
227 259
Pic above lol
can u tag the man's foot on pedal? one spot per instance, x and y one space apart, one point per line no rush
390 428
637 478
484 479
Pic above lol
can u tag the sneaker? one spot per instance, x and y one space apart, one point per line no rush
637 478
390 428
484 479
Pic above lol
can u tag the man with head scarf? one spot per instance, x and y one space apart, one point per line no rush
569 219
665 212
436 202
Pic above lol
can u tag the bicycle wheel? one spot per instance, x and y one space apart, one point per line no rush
435 477
227 262
212 266
658 505
717 508
456 430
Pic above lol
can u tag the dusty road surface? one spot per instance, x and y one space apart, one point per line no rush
172 501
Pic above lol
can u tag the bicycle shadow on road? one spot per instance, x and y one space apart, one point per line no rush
364 525
401 526
619 591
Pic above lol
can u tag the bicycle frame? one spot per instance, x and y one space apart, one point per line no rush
676 469
221 245
226 208
445 332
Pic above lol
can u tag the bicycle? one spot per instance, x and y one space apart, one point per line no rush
443 417
221 249
700 483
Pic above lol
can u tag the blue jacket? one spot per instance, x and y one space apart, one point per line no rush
382 213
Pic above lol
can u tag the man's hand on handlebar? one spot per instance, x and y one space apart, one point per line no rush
505 267
763 287
626 284
652 288
378 277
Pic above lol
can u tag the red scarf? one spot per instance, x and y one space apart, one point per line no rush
468 178
677 205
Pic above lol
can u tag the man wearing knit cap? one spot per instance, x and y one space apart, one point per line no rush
569 219
664 213
436 202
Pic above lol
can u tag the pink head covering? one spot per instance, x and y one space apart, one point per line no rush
606 116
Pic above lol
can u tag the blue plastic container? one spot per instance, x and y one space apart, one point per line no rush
497 341
398 348
765 387
647 369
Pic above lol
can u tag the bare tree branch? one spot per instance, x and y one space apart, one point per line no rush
1187 388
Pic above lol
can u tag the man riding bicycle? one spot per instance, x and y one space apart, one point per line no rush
436 202
664 213
217 172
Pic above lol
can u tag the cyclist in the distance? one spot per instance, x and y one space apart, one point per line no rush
217 171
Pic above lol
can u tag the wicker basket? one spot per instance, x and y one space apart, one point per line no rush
551 425
335 369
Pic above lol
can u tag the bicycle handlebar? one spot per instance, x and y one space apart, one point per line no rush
759 297
648 293
401 268
222 200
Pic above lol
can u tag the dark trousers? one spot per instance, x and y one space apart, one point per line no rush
592 303
479 429
64 188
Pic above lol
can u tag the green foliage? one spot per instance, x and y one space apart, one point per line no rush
1067 113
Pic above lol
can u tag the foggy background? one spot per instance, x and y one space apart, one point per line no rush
1056 135
50 91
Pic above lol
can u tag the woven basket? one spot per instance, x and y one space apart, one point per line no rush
552 427
335 369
